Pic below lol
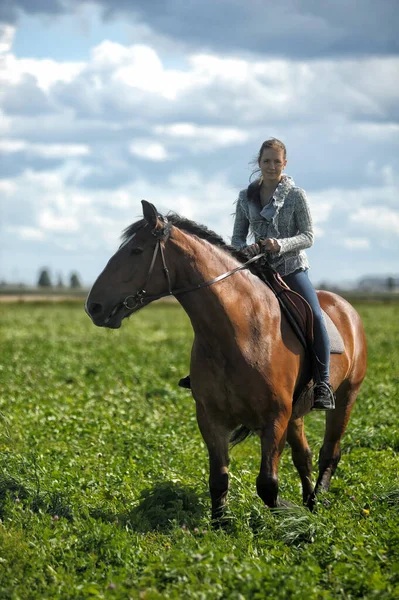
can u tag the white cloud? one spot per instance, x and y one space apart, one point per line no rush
378 219
28 233
322 203
53 206
202 137
7 33
356 243
211 102
137 66
7 187
44 150
50 221
46 72
109 54
122 80
149 150
377 131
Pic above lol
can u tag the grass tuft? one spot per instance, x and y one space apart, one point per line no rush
297 525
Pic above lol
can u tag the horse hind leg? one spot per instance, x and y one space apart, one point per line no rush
336 422
302 458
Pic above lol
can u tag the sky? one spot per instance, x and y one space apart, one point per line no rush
106 102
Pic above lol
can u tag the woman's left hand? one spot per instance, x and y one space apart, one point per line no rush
270 244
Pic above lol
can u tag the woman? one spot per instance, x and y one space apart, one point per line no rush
277 214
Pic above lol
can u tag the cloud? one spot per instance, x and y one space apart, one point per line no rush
202 138
24 98
356 243
10 11
126 88
295 28
225 91
44 150
84 141
149 150
48 220
380 219
82 227
7 33
45 72
27 233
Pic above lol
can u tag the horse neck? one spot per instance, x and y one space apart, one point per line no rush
212 309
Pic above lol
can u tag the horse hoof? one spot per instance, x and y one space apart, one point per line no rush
219 523
310 503
282 504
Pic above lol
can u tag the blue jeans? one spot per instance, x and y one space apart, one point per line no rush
299 282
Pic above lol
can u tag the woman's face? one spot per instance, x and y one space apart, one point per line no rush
272 163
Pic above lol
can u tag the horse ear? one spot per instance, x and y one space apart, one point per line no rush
150 213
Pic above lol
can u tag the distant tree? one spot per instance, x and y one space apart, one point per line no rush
390 284
44 279
74 281
60 282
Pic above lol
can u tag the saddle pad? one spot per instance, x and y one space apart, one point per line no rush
336 342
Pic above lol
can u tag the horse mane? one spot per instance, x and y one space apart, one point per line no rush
201 231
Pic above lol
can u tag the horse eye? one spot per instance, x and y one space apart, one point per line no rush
137 250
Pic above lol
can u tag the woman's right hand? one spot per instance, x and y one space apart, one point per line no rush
252 250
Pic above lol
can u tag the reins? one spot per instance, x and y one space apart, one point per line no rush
140 298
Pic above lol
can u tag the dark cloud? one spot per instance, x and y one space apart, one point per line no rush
11 9
290 28
294 28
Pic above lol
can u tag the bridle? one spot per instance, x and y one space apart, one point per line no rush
140 298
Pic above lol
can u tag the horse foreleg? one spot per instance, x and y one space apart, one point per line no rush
272 442
217 441
336 422
302 458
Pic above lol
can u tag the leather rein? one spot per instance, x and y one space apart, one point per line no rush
140 298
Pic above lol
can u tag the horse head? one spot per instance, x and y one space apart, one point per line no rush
120 289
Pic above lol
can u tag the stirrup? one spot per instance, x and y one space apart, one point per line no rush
185 382
324 397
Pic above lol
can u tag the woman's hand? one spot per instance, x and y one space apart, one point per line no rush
252 250
270 245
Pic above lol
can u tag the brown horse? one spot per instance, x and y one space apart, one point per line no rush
246 362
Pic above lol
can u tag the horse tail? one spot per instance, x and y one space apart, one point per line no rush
239 435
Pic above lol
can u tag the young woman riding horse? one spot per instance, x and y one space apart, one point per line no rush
277 214
246 362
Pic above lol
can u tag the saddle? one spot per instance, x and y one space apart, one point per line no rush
296 309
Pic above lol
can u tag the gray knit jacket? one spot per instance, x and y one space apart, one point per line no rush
288 220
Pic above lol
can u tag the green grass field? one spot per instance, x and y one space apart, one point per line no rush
103 473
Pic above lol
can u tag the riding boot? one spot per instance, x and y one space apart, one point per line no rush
324 397
185 382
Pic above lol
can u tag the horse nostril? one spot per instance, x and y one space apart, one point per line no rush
95 309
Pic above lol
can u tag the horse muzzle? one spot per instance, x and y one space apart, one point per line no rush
102 317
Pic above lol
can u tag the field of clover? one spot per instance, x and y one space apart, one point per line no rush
103 473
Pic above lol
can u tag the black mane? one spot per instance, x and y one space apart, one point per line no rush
201 231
